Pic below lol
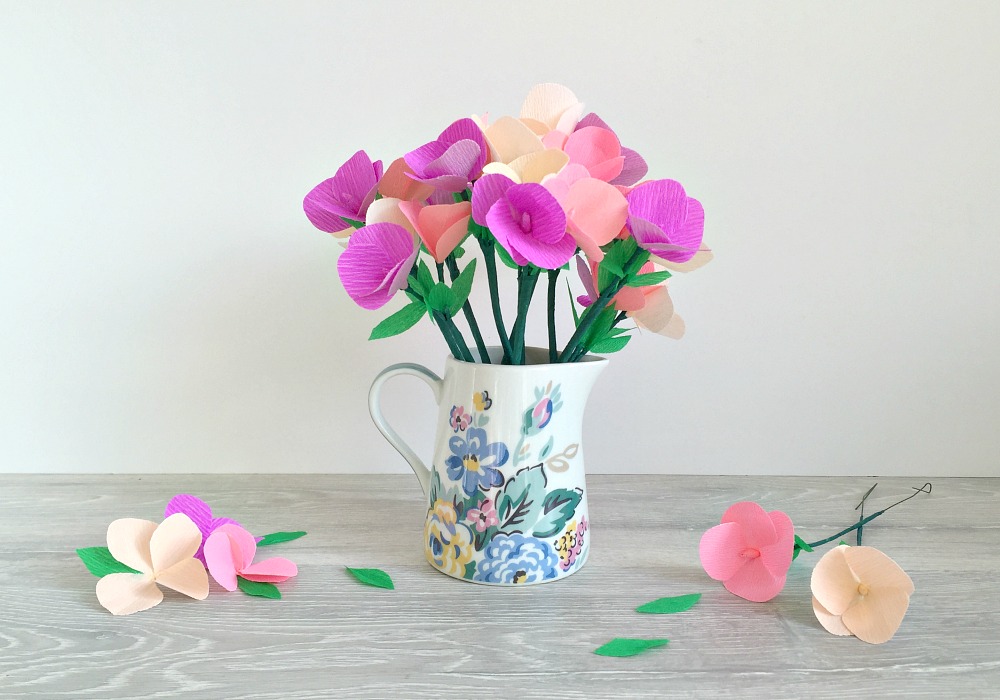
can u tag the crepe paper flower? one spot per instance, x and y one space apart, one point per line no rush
229 552
595 211
476 462
162 554
346 195
440 226
483 516
525 219
634 167
398 182
553 106
750 551
452 160
376 263
860 591
665 221
657 313
459 418
598 150
200 514
519 154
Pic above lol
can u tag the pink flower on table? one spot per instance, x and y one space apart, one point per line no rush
376 263
229 552
484 516
346 195
634 167
162 554
452 160
440 226
750 552
665 221
459 418
200 514
525 219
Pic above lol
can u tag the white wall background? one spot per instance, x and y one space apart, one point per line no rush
165 306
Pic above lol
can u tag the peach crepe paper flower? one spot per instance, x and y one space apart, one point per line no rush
398 183
650 307
440 226
551 107
162 554
595 211
860 591
750 551
518 153
229 552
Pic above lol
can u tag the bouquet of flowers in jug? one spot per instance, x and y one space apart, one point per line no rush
548 191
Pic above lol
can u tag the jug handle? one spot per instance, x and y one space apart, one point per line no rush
374 407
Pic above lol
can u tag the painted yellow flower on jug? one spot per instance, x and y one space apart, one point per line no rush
447 542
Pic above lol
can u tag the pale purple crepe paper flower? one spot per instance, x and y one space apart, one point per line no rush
665 221
376 263
452 160
635 167
347 194
587 278
525 219
200 513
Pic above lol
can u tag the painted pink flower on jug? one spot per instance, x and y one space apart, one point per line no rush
750 551
229 553
459 418
484 516
376 263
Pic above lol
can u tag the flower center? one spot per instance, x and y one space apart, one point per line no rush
863 589
521 576
751 553
471 463
526 222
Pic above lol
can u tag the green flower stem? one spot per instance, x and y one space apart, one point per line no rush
440 269
584 348
553 351
569 353
853 527
527 278
444 331
470 317
489 256
448 326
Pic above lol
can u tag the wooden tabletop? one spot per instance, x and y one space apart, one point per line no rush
434 637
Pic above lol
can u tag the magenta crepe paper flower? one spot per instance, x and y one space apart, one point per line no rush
200 513
451 161
229 552
634 167
665 221
750 552
345 195
525 219
376 263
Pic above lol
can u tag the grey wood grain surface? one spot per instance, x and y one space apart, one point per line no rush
435 637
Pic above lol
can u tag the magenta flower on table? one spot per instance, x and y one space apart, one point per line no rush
665 221
525 219
453 160
377 263
346 195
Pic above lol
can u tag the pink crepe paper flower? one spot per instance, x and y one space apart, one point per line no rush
345 195
376 263
484 516
162 554
750 552
440 226
596 149
398 182
200 514
452 160
525 219
860 591
229 552
595 211
665 221
650 307
634 167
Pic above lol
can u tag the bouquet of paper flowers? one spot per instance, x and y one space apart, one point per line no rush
549 190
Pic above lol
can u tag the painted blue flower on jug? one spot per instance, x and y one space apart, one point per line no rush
517 558
476 462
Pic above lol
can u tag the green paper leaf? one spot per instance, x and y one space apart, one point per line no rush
372 577
572 305
802 544
608 345
462 286
100 562
505 257
621 646
458 252
414 284
261 589
279 537
352 222
402 320
674 604
440 298
425 277
649 279
843 543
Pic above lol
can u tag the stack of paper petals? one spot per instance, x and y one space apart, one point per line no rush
860 591
229 552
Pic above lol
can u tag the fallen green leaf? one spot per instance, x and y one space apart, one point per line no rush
674 604
628 647
279 537
261 589
372 577
99 562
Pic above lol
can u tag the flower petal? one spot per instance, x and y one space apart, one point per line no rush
833 583
596 149
831 623
754 522
700 259
777 557
271 570
175 539
721 550
596 212
754 582
128 541
633 169
387 211
370 267
124 594
657 312
876 617
876 570
547 102
485 193
397 184
440 226
536 166
188 577
222 555
510 139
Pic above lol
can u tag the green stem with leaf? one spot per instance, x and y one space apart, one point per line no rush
470 317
